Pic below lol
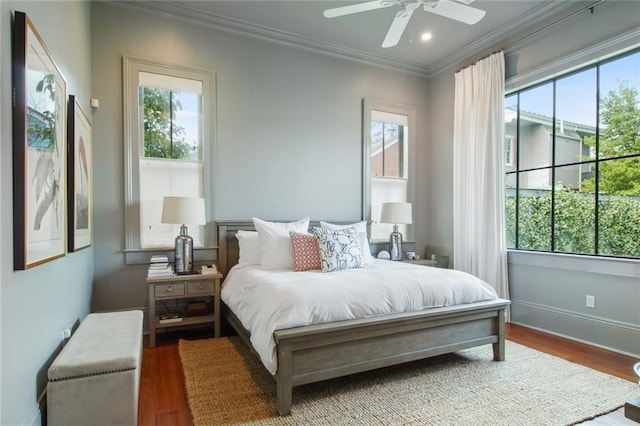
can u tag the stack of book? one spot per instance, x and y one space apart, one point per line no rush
169 318
159 267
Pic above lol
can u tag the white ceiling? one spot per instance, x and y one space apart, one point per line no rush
300 23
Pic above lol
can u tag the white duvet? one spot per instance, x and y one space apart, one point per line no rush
265 300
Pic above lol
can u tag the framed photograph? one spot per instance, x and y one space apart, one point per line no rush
79 177
39 150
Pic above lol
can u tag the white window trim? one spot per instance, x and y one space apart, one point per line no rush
131 66
368 105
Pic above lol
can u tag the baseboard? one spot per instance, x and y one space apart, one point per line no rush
37 412
621 336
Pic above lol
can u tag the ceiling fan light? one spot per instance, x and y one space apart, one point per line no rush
426 36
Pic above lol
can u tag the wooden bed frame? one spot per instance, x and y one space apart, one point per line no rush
324 351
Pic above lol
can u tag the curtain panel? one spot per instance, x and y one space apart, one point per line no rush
479 227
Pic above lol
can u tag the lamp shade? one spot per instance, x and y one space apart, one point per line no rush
183 210
396 213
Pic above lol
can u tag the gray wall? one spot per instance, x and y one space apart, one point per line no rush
37 304
288 146
288 131
548 291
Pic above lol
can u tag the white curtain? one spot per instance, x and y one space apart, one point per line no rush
478 168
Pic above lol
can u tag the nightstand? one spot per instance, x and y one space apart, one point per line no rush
196 286
424 262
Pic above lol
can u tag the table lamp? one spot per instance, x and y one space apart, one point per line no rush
396 213
183 210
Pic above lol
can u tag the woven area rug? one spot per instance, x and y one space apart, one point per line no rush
226 384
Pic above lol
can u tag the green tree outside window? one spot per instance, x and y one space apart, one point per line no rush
162 137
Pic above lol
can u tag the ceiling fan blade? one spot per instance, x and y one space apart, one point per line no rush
397 27
355 8
459 12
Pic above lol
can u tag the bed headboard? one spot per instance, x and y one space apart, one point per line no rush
228 250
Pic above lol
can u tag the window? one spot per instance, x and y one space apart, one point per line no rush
387 132
575 183
168 148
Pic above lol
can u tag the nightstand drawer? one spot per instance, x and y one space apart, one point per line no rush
200 287
168 290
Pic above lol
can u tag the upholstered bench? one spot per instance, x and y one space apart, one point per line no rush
96 377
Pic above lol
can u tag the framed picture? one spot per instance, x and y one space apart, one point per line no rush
79 177
39 150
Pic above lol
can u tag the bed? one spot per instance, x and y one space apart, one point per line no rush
313 353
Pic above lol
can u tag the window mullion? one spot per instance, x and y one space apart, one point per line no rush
596 188
171 153
553 170
384 150
517 200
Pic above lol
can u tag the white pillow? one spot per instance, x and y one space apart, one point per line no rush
249 248
361 227
275 242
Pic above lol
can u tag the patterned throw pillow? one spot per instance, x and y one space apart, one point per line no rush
305 252
361 227
340 249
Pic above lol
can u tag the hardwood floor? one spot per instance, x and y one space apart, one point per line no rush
163 402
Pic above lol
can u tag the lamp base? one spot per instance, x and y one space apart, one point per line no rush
395 244
183 252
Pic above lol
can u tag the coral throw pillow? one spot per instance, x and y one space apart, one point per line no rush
306 256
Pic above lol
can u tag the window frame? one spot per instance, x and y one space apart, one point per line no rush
131 67
369 105
592 163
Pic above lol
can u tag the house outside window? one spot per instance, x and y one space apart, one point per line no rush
168 149
508 151
574 183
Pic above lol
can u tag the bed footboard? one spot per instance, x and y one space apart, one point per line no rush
314 353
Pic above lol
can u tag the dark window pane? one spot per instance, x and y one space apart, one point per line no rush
535 130
576 117
511 135
534 215
169 119
189 120
619 225
510 214
574 222
620 107
387 149
620 176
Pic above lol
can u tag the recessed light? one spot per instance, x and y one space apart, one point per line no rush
425 36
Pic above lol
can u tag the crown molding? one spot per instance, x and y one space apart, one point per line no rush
518 29
621 43
255 31
524 25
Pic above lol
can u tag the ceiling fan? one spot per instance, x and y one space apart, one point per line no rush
447 8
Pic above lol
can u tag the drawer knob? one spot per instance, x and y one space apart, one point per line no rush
201 285
169 289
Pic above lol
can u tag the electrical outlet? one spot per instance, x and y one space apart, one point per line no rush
591 301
